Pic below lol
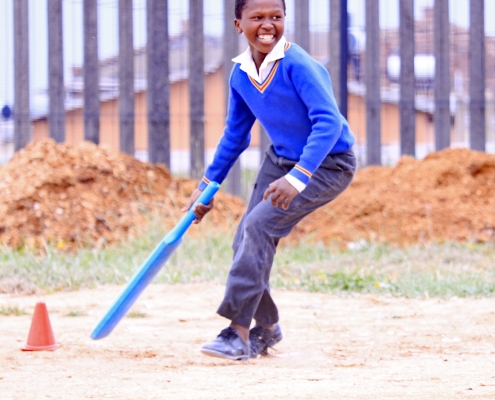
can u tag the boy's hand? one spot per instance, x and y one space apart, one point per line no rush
200 210
282 193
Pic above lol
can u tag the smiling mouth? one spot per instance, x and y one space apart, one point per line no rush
266 38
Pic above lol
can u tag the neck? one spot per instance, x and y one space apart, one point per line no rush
258 59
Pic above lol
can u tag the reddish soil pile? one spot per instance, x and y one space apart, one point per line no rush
87 195
450 195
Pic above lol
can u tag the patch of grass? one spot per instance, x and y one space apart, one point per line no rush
136 314
12 310
433 270
437 270
75 313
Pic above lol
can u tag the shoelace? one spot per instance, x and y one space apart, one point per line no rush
228 333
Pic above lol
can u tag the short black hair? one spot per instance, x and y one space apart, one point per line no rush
240 4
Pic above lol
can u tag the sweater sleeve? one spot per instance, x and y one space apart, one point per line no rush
312 83
235 139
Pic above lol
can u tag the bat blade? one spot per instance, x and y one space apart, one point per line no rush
149 269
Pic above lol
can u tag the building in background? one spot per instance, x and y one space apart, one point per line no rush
215 102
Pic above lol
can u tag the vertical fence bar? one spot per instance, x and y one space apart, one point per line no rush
56 85
407 107
373 98
126 78
91 73
477 104
442 74
302 37
196 88
334 51
344 44
22 118
264 143
230 50
158 92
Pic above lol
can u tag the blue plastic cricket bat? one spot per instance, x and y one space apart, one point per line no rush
143 277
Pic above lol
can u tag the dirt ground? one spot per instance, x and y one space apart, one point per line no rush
353 347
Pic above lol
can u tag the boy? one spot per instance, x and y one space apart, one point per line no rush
309 163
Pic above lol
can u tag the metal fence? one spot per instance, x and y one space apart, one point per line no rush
125 74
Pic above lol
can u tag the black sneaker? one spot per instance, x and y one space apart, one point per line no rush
261 339
229 345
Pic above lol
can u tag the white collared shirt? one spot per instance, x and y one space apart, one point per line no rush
249 67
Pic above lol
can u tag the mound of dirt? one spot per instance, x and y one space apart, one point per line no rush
87 195
448 196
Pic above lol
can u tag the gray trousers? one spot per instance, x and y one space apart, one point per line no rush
247 294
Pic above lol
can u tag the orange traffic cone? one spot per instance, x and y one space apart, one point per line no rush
41 334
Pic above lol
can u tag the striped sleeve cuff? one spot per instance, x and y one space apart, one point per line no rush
204 182
295 182
301 174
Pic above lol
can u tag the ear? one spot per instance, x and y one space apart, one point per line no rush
237 25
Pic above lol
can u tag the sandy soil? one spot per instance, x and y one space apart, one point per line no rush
360 347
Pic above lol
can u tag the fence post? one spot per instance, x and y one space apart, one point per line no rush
22 117
56 85
126 78
158 87
302 36
373 97
442 74
407 79
91 72
334 51
196 88
344 54
477 102
264 143
230 50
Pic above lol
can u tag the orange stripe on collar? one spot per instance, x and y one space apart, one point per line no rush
270 77
268 80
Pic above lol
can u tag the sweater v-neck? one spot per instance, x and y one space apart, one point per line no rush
264 85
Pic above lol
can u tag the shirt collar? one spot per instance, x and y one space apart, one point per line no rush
247 62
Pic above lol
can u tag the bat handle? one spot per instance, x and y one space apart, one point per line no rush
204 198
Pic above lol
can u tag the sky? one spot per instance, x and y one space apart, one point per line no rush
178 12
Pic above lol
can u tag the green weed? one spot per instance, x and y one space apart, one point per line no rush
437 270
12 310
136 314
75 313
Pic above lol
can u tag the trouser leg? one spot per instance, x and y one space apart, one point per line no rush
247 293
238 308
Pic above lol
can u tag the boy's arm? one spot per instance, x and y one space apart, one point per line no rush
312 83
235 139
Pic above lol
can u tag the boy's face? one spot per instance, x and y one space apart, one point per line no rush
262 22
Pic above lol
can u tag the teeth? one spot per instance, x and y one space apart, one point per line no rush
266 37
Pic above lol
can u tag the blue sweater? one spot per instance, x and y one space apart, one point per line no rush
295 105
